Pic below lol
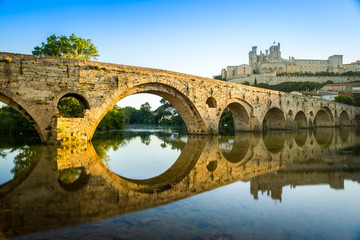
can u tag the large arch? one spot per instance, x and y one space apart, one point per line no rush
20 109
240 117
300 120
344 119
186 109
324 118
274 119
189 156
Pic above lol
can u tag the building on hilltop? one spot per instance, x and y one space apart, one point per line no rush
271 62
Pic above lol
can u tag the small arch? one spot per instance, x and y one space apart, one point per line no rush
236 151
357 119
300 137
212 165
73 179
274 141
274 119
72 105
344 119
323 118
290 112
211 102
240 117
300 119
324 137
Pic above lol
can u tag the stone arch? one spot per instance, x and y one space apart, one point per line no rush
323 118
189 156
300 137
240 116
357 119
82 100
274 119
20 108
181 102
274 141
211 102
324 137
78 184
344 119
239 150
300 119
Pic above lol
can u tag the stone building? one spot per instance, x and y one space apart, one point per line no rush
271 61
231 71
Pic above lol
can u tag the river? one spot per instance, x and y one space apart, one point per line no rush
164 184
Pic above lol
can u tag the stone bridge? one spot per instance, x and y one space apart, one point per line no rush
33 85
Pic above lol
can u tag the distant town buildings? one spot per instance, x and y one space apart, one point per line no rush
330 91
354 66
271 62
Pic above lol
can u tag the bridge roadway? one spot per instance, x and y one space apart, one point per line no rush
33 85
39 199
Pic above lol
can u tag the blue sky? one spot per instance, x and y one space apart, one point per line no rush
191 36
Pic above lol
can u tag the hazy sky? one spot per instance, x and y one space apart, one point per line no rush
190 36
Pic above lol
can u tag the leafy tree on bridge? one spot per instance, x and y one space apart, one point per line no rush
67 47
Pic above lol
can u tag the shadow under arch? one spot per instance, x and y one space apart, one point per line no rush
239 151
182 103
344 133
300 120
240 116
300 137
357 119
81 181
323 118
81 99
274 141
344 119
324 137
177 172
20 109
274 119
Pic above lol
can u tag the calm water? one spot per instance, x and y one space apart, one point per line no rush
163 184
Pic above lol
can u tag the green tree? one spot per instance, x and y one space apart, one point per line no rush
344 99
67 47
356 97
246 83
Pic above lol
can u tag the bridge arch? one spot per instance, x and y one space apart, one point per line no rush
357 119
211 102
20 108
238 151
84 104
240 116
323 118
344 119
184 106
274 119
324 137
300 119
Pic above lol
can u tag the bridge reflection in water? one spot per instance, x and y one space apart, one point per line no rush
66 187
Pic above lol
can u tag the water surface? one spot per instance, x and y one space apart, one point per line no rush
156 184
